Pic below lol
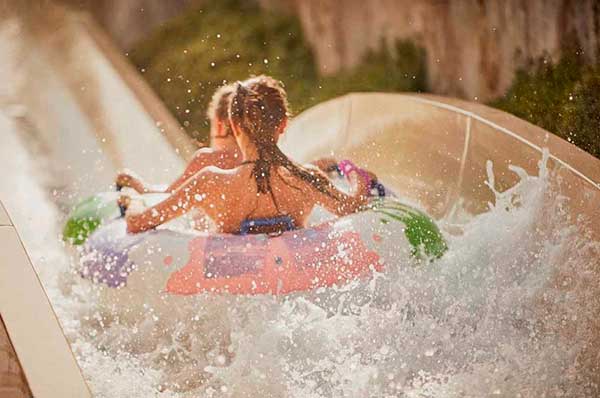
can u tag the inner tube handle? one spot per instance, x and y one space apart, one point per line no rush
122 210
379 187
345 167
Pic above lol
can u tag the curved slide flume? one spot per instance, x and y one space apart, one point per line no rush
451 158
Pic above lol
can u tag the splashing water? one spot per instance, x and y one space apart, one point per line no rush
510 310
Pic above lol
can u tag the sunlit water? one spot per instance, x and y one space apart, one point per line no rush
510 310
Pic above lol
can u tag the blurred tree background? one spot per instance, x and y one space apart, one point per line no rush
187 58
563 98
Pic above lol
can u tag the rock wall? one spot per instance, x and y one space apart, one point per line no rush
131 20
473 47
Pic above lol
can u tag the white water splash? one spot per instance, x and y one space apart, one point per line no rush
508 310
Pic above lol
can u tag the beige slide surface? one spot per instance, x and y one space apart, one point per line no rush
435 150
4 221
98 116
74 112
42 349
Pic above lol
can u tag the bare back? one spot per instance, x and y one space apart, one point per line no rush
230 197
224 159
241 201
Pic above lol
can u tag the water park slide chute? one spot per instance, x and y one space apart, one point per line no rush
389 134
47 362
433 150
90 107
75 111
436 151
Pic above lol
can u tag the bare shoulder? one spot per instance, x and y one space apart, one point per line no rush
223 176
217 182
209 156
204 154
215 172
308 167
204 151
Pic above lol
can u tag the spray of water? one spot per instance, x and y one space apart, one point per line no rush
510 310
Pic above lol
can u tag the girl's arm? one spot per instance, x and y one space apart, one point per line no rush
128 179
202 158
340 203
198 191
170 208
327 164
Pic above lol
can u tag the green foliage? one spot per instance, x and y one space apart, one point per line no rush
563 98
581 121
228 40
401 69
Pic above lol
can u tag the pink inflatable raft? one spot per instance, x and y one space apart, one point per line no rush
332 252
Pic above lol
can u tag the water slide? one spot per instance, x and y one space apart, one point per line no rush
72 113
462 138
513 305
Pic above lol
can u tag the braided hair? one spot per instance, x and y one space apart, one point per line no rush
259 107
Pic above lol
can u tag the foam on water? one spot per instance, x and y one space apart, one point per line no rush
510 310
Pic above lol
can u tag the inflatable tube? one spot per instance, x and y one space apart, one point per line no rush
88 215
96 210
331 253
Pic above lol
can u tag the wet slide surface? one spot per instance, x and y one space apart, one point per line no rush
68 122
511 309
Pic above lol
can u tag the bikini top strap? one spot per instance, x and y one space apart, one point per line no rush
272 226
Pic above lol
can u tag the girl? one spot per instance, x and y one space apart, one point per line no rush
266 186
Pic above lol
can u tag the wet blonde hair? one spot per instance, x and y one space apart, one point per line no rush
218 108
